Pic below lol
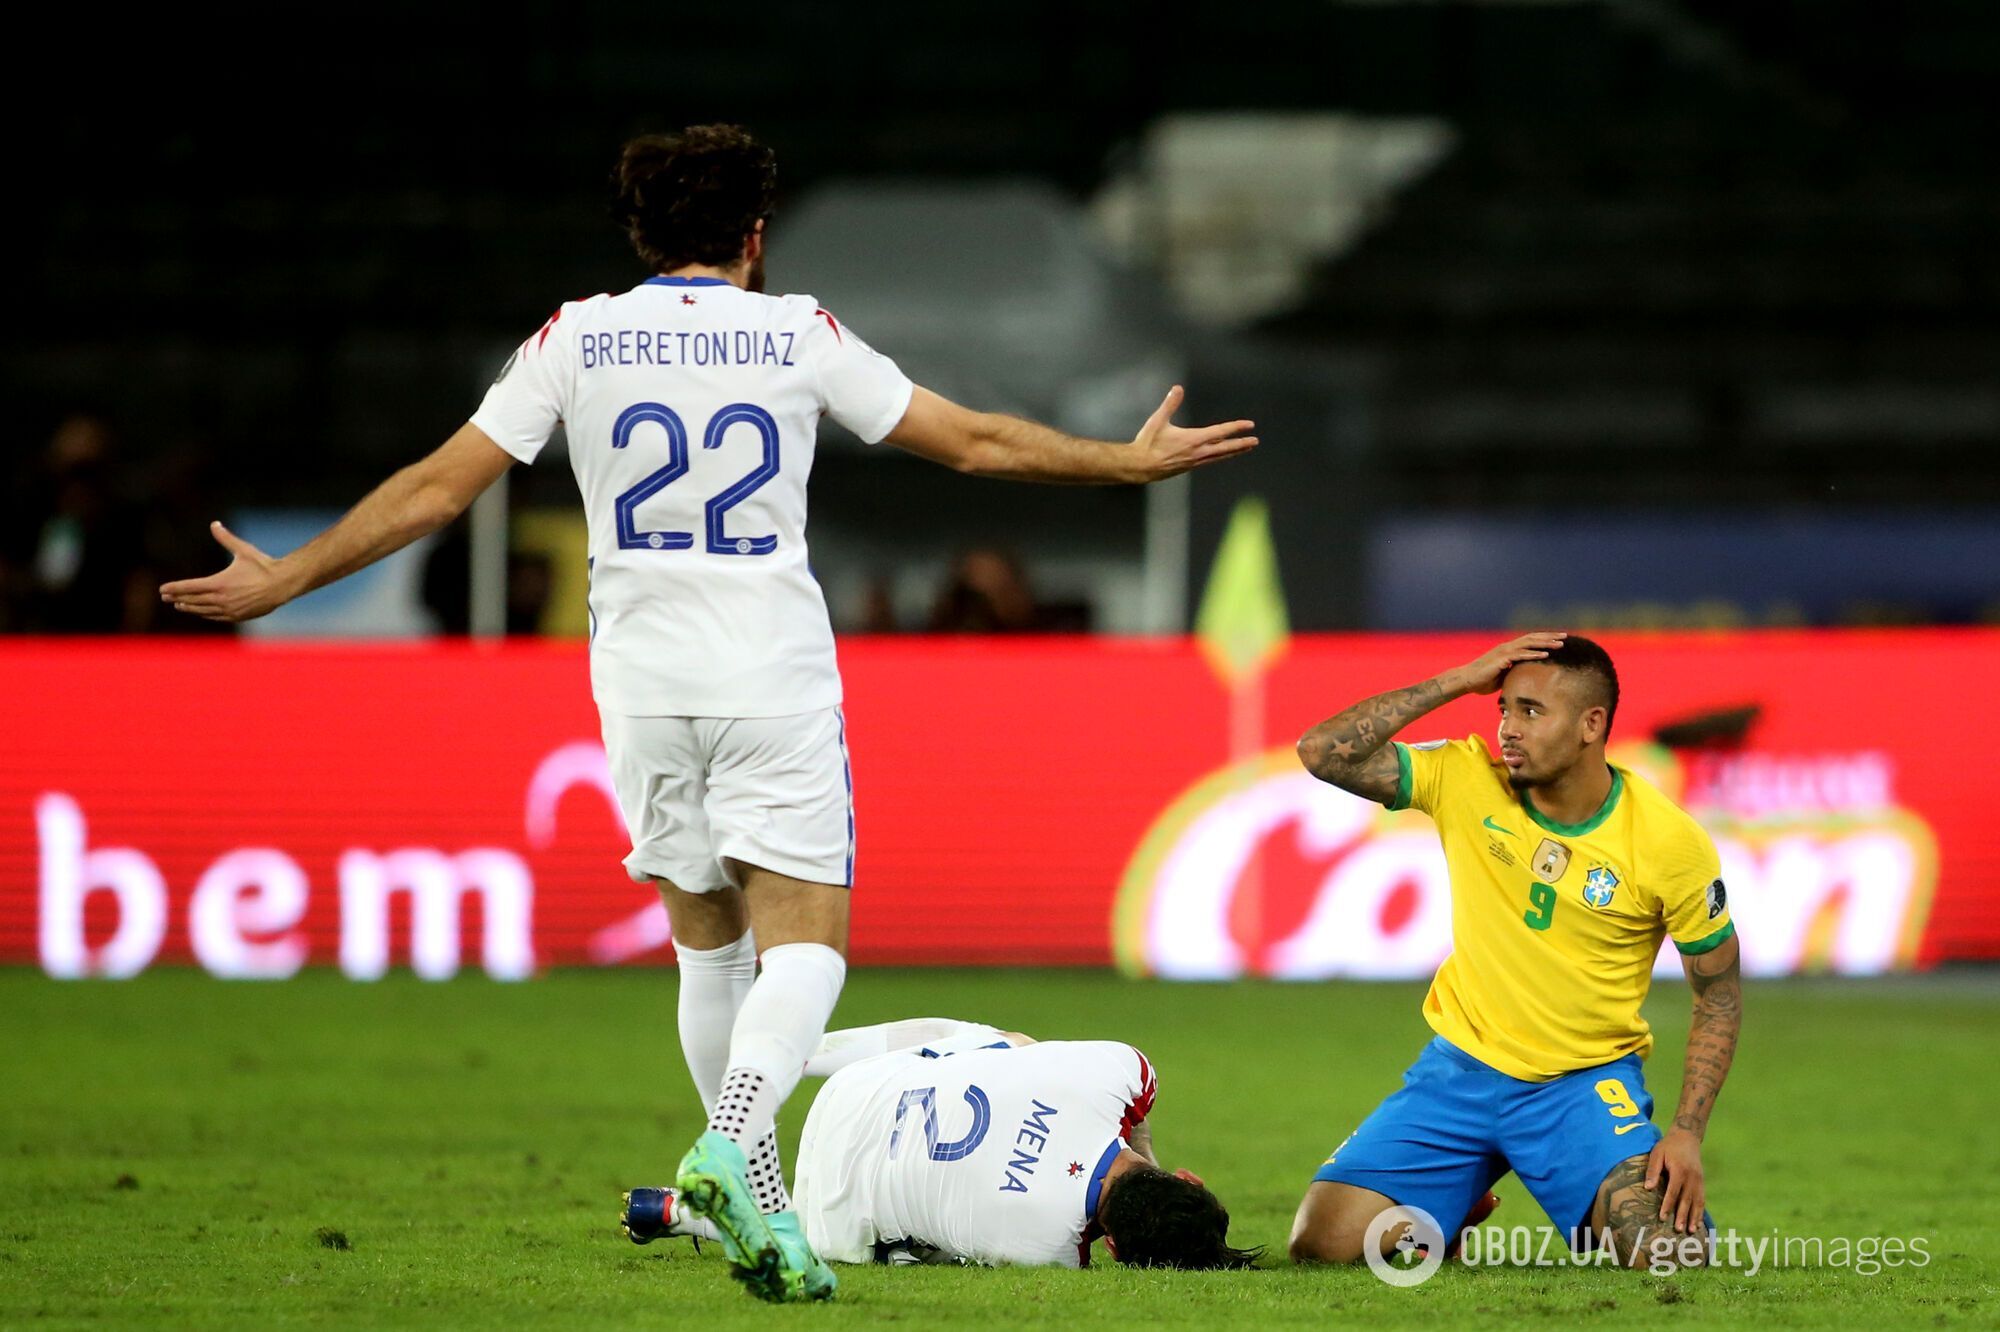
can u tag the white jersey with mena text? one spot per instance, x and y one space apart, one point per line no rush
996 1155
692 408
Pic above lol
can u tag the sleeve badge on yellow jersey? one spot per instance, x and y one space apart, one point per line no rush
1551 859
1598 885
1718 899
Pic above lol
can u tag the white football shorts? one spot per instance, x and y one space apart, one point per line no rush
698 792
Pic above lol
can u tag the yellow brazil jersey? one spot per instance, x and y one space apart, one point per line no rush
1555 927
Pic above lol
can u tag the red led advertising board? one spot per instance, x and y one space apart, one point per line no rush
252 809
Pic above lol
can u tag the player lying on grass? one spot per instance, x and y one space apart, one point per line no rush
942 1141
1566 873
691 405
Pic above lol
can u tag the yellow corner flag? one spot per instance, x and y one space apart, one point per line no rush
1242 626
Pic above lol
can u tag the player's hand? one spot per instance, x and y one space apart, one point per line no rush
251 586
1166 449
1484 675
1190 1177
1677 1159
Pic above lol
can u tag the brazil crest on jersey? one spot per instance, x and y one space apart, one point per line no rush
1555 926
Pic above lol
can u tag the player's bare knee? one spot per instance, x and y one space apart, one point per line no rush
1655 1246
785 910
1627 1217
1328 1239
713 919
1332 1223
1670 1251
1320 1247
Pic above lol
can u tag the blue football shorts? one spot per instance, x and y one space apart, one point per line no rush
1457 1125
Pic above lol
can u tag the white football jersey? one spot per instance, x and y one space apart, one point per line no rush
995 1155
692 408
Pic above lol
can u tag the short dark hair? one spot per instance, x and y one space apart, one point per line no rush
1587 657
1155 1219
691 197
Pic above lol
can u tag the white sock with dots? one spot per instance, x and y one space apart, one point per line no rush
714 984
777 1029
767 1177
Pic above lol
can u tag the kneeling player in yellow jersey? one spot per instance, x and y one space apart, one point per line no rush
1565 874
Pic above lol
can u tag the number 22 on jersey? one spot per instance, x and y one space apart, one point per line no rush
719 542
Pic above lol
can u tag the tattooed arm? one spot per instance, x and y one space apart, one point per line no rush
1351 749
1648 1223
1717 979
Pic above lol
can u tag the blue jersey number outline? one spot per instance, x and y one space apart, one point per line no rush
741 413
630 537
629 420
926 1097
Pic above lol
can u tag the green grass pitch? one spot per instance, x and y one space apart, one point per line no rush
179 1152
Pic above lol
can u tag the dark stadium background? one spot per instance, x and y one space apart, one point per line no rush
1675 321
1696 258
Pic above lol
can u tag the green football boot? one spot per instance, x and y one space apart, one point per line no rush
713 1182
820 1281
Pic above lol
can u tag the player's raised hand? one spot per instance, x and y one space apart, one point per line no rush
251 586
1168 450
1483 676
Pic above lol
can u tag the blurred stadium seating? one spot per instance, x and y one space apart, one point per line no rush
1680 256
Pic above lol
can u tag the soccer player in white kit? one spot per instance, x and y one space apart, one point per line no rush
935 1140
691 404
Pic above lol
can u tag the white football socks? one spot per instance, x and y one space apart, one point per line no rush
767 1176
777 1029
680 1221
714 983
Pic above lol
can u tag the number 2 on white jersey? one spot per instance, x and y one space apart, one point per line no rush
630 537
925 1099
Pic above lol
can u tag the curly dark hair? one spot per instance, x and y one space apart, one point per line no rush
691 197
1155 1219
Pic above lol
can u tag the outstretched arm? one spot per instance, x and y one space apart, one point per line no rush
850 1045
414 502
989 444
1351 749
1717 980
